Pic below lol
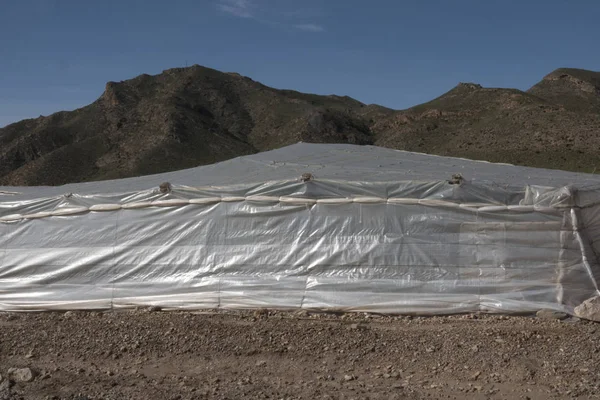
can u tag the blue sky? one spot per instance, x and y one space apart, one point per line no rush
58 54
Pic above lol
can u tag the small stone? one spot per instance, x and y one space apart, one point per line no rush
69 314
165 187
307 176
261 363
551 314
20 374
475 376
5 389
349 378
153 309
589 309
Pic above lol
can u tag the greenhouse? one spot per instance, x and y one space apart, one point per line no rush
310 226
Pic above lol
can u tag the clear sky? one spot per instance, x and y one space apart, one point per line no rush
58 54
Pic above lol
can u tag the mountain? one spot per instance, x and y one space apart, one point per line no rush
574 89
532 128
185 117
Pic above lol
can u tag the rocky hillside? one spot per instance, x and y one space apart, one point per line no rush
575 89
190 116
538 128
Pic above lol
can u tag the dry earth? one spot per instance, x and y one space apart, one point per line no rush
259 355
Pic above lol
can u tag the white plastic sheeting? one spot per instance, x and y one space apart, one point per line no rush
373 230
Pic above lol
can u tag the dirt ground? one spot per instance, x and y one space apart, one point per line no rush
278 355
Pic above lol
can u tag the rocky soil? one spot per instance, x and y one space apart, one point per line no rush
147 354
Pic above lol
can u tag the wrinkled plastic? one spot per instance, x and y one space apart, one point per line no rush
374 230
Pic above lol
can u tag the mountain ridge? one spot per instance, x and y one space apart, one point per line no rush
191 116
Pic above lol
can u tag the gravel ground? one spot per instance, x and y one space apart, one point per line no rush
277 355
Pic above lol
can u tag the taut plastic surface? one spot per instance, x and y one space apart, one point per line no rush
374 230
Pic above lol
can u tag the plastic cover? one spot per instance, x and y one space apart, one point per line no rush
370 229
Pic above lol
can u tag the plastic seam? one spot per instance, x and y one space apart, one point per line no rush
282 200
580 242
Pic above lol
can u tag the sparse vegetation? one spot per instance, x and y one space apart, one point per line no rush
186 117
